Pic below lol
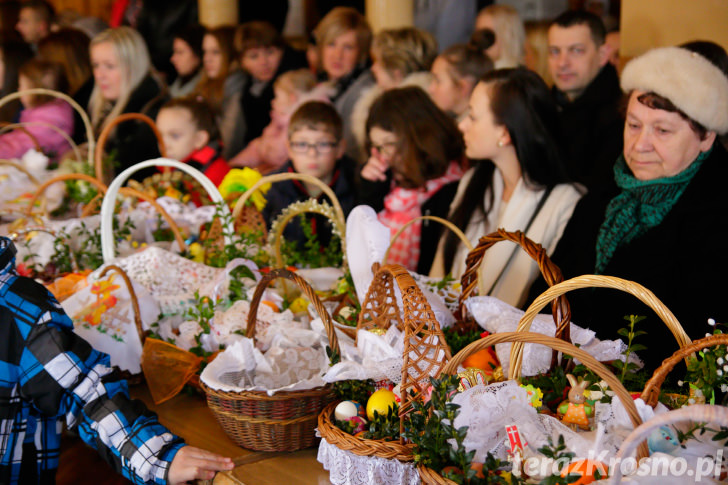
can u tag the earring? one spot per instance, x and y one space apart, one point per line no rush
500 143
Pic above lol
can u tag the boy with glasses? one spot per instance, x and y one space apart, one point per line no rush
316 148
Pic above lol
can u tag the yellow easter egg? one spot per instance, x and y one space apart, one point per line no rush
380 401
299 305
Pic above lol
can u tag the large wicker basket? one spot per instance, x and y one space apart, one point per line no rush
588 281
430 476
284 421
425 351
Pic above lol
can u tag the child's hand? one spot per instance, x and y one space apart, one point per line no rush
375 170
192 463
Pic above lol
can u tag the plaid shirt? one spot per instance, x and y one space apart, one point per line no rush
49 374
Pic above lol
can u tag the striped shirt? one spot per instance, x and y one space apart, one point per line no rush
48 376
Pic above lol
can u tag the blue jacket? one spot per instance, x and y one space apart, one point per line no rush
48 376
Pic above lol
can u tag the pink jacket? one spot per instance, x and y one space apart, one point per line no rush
58 113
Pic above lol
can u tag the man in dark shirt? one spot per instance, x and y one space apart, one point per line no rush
586 88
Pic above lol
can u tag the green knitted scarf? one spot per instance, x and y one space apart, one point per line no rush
641 205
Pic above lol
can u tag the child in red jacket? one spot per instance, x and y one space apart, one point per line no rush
191 135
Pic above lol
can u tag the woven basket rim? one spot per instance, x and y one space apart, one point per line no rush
360 446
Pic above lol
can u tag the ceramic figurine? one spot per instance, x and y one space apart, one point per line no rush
576 411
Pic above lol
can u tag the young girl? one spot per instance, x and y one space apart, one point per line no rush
518 184
402 57
41 109
221 77
417 147
455 73
191 136
268 152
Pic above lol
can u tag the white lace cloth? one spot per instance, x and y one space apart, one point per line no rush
346 468
170 278
497 316
295 361
185 215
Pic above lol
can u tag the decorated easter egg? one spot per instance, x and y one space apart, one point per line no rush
360 424
663 439
380 401
346 410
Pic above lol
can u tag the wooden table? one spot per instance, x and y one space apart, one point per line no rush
189 417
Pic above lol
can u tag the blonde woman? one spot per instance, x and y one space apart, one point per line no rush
509 49
123 83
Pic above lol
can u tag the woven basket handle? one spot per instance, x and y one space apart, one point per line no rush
696 413
74 105
599 281
20 167
463 238
306 289
652 389
425 348
106 132
133 296
109 204
60 178
557 344
551 273
275 237
278 177
23 126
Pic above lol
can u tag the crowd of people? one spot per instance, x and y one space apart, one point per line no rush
495 125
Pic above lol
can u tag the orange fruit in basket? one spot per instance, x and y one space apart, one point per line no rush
484 359
585 469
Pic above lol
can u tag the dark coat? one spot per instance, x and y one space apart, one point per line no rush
284 193
255 107
134 141
683 261
591 128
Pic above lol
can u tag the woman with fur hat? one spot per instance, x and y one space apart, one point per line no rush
661 226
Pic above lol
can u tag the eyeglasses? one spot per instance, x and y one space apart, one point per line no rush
388 149
320 146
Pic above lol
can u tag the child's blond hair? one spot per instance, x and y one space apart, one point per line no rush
300 81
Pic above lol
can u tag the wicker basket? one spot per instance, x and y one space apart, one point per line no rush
380 310
698 413
284 421
652 389
429 476
587 281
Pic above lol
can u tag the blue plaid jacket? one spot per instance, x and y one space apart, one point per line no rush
48 375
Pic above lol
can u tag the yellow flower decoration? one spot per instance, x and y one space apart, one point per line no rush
238 180
535 395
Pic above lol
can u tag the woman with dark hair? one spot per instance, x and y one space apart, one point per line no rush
663 224
187 60
517 184
415 152
13 54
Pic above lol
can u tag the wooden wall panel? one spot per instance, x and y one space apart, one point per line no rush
95 8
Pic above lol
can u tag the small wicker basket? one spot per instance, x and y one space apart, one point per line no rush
430 476
652 389
423 354
286 420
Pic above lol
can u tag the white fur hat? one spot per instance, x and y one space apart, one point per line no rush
693 84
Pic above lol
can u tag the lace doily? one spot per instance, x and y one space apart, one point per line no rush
346 468
497 316
170 278
187 216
